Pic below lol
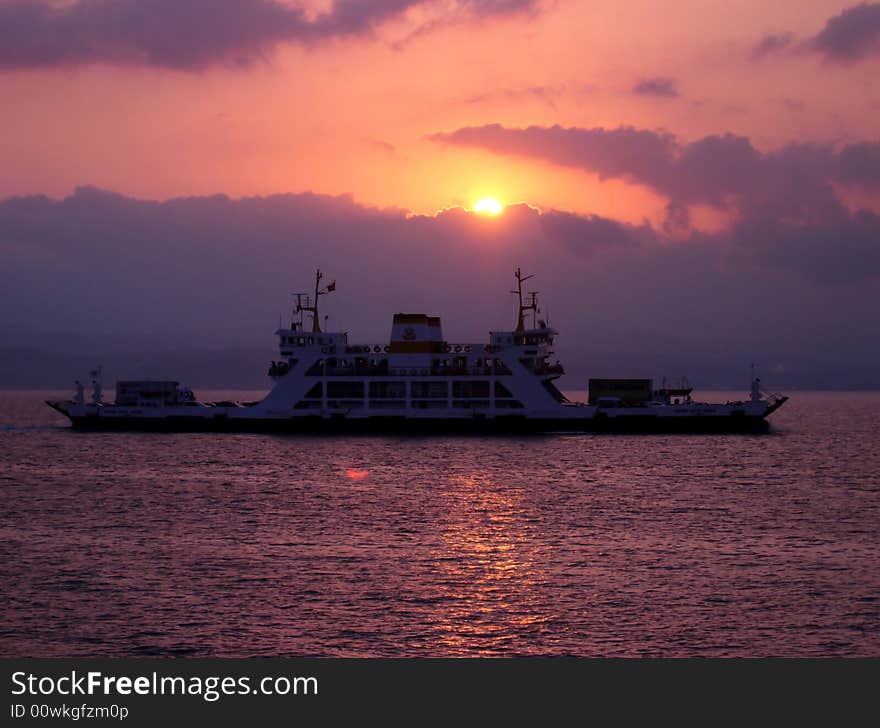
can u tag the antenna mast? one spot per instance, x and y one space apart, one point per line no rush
523 307
312 308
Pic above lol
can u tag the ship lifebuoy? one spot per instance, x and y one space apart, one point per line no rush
457 348
376 349
467 348
448 348
387 349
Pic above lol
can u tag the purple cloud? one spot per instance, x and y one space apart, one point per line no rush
795 182
625 152
664 87
771 44
850 36
194 34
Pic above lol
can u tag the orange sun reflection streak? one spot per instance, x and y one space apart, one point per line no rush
491 569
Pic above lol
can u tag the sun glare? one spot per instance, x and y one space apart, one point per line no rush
488 206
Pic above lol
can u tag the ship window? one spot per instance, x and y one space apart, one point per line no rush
430 389
470 389
311 340
345 390
501 390
387 390
470 403
316 392
300 340
509 404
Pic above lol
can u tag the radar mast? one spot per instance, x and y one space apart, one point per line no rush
312 308
532 305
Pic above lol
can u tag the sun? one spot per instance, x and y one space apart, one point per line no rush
488 206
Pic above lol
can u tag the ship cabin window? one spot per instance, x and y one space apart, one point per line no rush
300 341
470 389
530 339
429 390
387 390
501 390
316 392
311 340
345 390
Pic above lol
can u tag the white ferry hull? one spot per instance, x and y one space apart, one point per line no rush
721 419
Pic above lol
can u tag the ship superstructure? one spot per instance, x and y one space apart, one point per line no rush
419 381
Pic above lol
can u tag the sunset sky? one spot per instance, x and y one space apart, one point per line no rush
706 169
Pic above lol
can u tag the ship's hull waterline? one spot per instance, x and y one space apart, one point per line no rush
634 424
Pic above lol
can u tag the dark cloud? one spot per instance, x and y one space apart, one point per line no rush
859 164
665 87
839 249
623 152
215 272
193 34
850 36
771 44
795 182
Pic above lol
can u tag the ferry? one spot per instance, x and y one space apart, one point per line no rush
418 382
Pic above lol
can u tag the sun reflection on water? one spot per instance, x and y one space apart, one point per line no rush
490 570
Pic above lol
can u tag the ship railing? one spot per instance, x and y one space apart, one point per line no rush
448 348
317 370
